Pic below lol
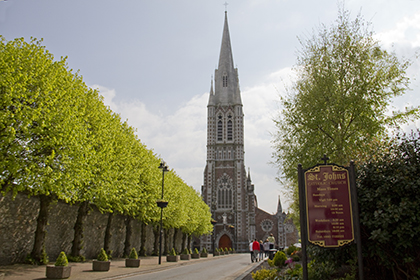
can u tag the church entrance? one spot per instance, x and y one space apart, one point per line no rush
225 242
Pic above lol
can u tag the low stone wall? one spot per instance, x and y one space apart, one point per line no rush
18 219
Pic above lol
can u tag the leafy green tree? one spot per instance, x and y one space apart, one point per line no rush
339 101
388 191
41 128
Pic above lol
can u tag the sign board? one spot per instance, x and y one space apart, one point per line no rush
328 206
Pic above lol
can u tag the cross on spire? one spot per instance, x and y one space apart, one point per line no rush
226 4
325 158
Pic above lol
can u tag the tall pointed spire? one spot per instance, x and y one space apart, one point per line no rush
226 57
226 81
279 208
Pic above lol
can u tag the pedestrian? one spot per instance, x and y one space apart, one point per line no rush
250 250
266 247
256 249
272 241
261 250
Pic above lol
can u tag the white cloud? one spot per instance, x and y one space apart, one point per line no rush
181 138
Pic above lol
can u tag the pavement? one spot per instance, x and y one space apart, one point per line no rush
83 271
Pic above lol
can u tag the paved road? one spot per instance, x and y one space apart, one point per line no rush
214 269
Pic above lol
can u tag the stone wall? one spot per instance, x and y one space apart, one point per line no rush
18 219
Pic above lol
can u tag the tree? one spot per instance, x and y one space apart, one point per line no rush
339 102
388 188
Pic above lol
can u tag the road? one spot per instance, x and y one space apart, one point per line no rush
218 268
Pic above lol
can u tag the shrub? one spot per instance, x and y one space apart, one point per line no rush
196 251
264 274
186 251
61 260
133 254
102 256
76 258
172 252
278 260
204 250
290 250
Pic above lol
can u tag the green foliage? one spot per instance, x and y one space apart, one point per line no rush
340 99
265 274
133 254
204 250
388 189
186 251
278 260
76 258
291 249
61 260
320 270
196 251
102 256
172 252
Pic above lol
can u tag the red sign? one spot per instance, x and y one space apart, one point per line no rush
328 206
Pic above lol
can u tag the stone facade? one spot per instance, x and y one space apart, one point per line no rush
227 187
18 220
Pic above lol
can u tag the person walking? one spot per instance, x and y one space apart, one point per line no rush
271 240
266 247
261 251
250 250
256 249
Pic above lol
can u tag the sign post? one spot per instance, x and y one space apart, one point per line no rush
328 208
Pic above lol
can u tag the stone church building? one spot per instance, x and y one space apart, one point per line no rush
227 186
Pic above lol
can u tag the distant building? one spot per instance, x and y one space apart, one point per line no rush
227 187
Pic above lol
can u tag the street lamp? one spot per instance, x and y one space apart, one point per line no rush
161 204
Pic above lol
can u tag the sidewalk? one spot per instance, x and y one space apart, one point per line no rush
83 271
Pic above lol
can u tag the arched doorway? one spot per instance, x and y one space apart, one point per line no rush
225 242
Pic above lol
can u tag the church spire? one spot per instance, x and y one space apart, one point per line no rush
279 208
226 81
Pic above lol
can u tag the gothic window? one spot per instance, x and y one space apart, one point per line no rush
220 129
225 80
267 225
229 129
224 193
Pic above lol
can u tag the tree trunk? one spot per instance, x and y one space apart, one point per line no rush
143 239
38 253
156 245
184 241
189 241
174 238
166 247
78 229
128 235
108 235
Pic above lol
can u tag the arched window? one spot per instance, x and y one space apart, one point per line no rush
229 129
224 193
220 129
225 80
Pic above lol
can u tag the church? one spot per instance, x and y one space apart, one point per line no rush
227 187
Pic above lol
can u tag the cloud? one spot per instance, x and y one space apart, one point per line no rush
181 138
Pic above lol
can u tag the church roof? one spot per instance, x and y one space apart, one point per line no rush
226 82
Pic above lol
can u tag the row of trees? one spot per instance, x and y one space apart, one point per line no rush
59 141
339 106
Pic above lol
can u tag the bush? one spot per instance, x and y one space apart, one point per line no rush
290 250
102 256
186 251
204 250
264 274
196 251
172 252
278 260
76 258
133 254
61 260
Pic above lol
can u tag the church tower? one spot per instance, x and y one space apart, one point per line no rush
227 189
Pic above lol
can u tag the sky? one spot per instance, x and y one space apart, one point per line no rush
153 62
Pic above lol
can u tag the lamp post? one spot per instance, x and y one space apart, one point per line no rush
161 204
